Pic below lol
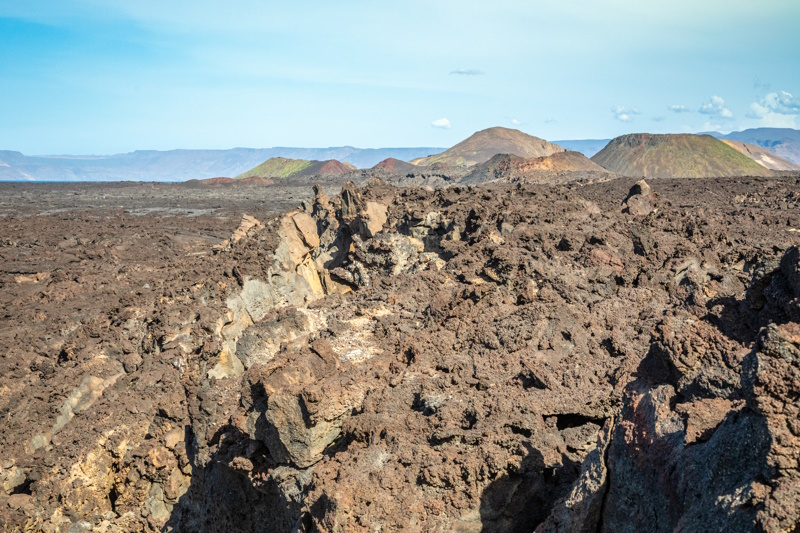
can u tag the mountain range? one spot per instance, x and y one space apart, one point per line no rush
784 142
182 165
762 155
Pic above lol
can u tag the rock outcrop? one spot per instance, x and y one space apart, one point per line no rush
560 167
593 357
639 201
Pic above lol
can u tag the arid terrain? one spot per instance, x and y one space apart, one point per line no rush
390 267
608 356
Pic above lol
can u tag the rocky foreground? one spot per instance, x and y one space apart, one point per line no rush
597 357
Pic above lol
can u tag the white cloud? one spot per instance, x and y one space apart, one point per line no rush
516 122
757 111
776 110
781 103
467 72
715 107
441 123
678 108
624 114
770 119
777 120
784 103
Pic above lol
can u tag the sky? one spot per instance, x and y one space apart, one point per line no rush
112 76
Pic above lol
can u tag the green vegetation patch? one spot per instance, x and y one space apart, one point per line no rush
700 156
277 167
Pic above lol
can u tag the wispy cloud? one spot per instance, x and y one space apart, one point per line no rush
761 86
442 123
715 107
467 72
516 122
712 126
678 108
549 120
657 119
624 114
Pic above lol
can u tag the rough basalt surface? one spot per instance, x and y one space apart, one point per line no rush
611 356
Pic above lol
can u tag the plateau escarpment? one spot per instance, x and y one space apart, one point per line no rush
608 355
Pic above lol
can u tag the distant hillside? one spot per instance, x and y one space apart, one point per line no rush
485 144
784 142
282 167
180 165
276 167
555 168
762 156
675 156
587 147
395 166
8 167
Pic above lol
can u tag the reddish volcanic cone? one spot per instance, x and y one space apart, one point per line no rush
334 167
395 166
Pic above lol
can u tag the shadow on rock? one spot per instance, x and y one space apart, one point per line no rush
234 491
688 453
518 502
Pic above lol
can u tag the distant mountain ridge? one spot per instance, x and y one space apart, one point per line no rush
762 156
587 147
784 142
675 156
182 165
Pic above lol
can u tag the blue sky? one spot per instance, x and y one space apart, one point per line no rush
92 76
